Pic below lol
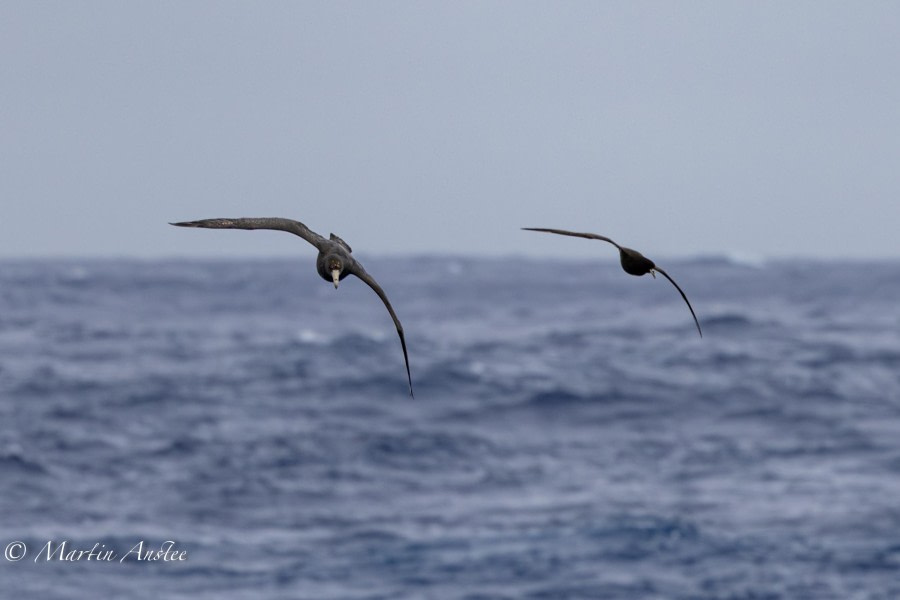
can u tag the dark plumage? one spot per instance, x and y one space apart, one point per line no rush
333 264
633 262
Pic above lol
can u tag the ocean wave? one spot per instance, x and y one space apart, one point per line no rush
15 461
424 449
731 321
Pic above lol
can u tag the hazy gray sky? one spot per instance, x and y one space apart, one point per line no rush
679 128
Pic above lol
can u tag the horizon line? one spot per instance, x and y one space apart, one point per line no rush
728 257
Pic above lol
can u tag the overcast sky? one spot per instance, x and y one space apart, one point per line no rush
679 128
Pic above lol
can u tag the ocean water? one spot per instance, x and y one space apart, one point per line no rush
571 434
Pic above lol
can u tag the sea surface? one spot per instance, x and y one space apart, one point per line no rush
571 435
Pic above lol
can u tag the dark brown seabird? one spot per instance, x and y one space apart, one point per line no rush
334 262
633 262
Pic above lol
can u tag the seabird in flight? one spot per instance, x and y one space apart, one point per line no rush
334 262
633 262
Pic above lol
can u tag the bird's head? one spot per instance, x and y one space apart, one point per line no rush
335 267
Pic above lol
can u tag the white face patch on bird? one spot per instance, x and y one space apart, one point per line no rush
335 268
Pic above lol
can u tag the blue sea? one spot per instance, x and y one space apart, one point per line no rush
571 435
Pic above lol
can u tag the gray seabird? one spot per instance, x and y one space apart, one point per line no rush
333 263
633 262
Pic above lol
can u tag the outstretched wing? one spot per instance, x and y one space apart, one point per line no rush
590 236
666 275
358 270
289 225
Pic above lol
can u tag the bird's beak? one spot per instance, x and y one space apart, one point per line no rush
336 277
